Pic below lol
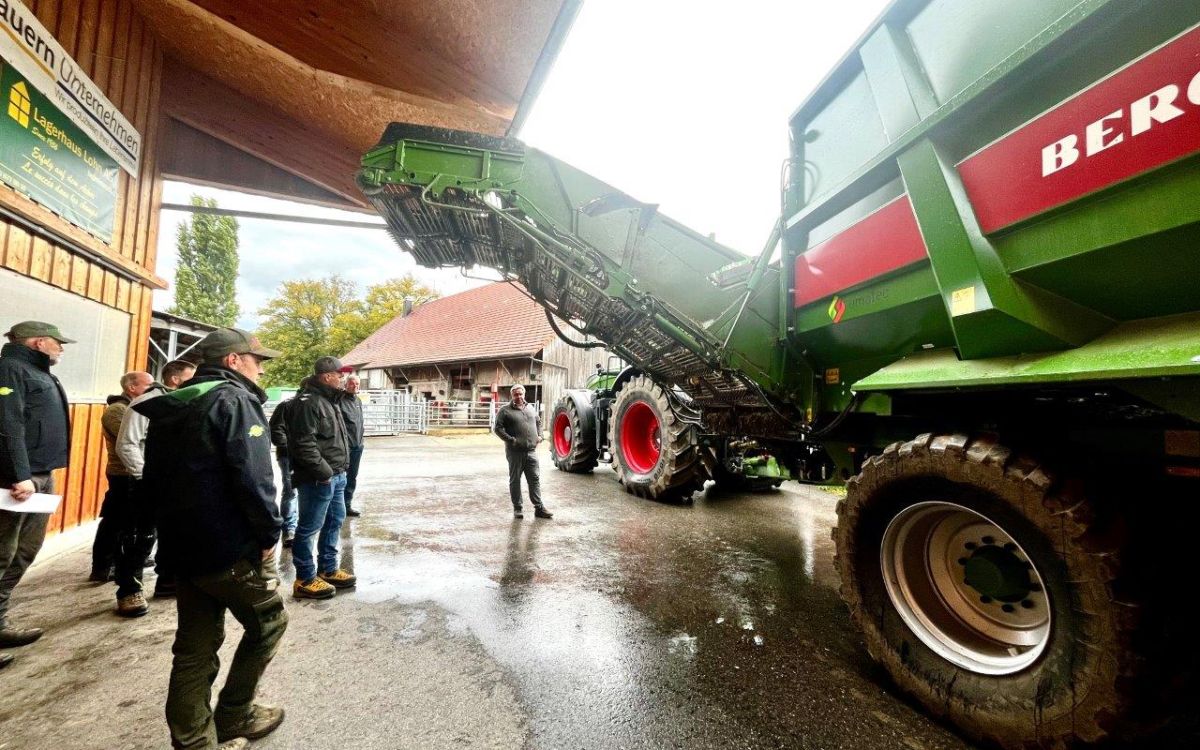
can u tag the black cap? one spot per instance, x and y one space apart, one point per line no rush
330 364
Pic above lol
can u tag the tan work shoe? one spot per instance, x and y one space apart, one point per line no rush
263 720
340 578
237 743
314 589
133 605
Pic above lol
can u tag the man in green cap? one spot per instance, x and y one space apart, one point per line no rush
208 464
35 432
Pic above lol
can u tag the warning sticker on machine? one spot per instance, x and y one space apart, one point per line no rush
962 301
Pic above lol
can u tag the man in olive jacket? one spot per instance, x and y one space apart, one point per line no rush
208 464
319 454
518 425
115 509
35 435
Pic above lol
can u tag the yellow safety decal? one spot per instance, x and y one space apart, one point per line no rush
962 301
256 431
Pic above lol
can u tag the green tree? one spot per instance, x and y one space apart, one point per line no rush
206 277
384 301
299 321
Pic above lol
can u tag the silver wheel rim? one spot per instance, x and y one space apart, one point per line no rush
996 624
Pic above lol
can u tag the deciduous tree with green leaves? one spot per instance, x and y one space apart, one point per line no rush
206 276
307 319
299 321
384 301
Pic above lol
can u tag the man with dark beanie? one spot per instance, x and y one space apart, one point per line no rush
208 463
35 439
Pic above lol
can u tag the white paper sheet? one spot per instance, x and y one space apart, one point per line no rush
37 503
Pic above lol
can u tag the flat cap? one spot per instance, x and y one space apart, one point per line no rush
31 329
225 341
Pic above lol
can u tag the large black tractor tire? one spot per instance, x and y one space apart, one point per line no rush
572 437
917 507
656 454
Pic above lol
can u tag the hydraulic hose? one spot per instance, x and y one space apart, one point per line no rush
571 342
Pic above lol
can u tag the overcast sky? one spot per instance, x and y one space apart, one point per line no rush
678 103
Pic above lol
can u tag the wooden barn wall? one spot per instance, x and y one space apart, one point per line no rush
110 42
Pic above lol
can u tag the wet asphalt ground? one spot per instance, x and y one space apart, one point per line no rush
622 623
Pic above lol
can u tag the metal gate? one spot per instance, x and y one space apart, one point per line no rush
393 412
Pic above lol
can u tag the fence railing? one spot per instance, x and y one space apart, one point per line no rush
397 412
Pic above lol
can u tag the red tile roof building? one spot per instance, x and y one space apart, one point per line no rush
459 347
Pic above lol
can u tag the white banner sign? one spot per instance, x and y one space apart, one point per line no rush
31 50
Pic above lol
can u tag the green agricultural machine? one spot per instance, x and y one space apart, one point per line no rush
979 309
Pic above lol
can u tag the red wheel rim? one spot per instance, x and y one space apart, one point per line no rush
562 434
641 438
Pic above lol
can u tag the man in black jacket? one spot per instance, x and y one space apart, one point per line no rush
320 454
288 509
208 462
352 412
35 430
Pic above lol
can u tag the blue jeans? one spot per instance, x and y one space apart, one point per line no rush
322 508
288 509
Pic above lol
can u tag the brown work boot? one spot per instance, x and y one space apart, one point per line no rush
263 720
133 605
542 513
314 589
237 743
340 579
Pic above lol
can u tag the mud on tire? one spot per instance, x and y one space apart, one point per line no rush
655 454
1077 687
572 437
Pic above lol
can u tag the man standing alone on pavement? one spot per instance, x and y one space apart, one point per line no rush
208 468
117 498
518 426
352 412
320 454
35 424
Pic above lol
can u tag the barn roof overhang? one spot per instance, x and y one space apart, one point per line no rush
282 98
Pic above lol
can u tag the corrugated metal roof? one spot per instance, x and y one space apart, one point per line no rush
492 322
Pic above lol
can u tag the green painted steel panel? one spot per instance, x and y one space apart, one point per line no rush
830 157
957 41
1154 348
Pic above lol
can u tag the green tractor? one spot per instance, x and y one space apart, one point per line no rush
621 418
979 309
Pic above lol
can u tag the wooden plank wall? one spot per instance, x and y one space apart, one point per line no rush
111 43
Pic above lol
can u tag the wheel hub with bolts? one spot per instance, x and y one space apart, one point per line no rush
562 434
965 588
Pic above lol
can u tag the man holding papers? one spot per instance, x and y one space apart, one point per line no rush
34 441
